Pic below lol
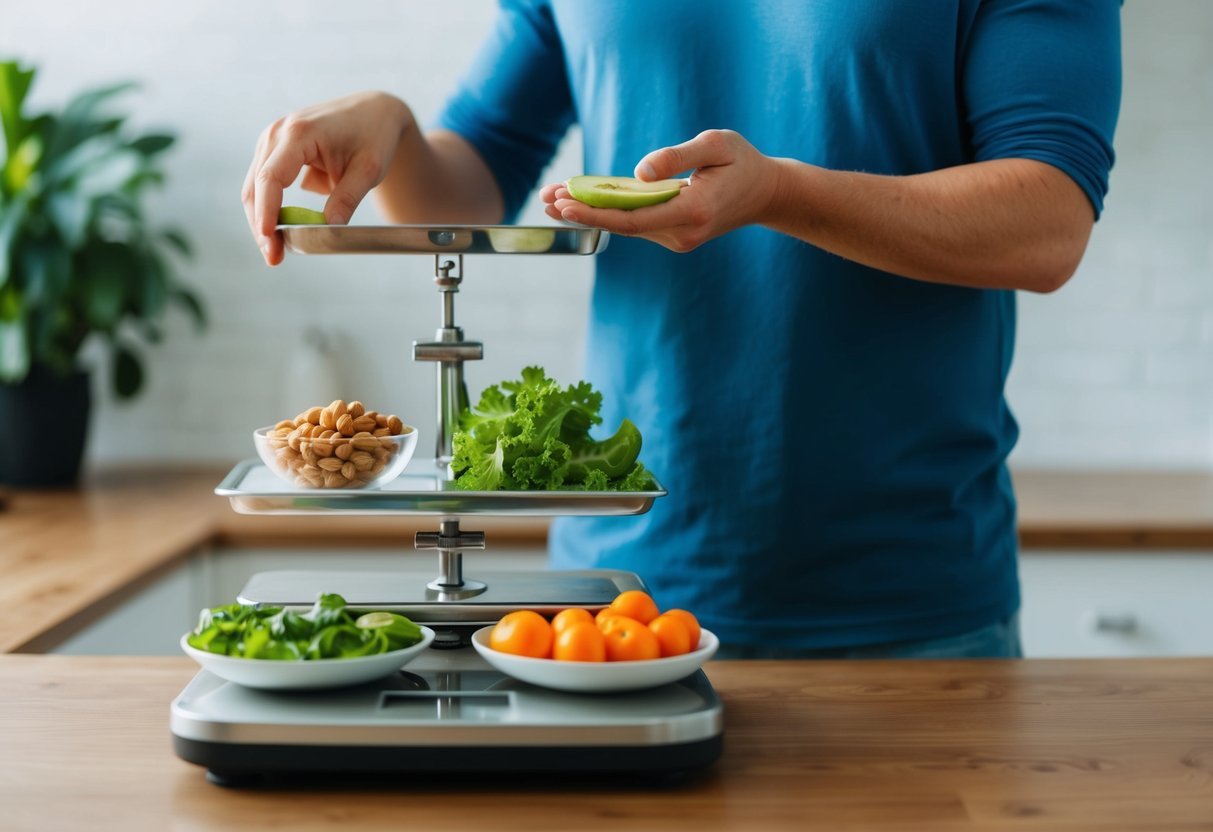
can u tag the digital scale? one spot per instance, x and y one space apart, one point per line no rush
447 710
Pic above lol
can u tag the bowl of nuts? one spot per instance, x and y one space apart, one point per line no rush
339 446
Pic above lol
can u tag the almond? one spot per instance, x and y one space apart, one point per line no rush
381 432
328 419
322 449
364 442
330 464
343 450
381 420
362 460
395 425
348 470
338 407
356 409
313 415
333 479
285 424
346 425
364 423
309 455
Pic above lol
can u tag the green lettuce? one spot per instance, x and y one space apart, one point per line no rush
532 434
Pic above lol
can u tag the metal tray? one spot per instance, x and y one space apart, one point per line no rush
453 239
420 490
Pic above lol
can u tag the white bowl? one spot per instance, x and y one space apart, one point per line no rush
596 677
389 455
306 674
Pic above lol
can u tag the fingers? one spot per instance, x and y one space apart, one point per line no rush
355 182
248 190
316 180
711 147
677 212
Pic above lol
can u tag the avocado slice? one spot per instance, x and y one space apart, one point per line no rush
294 215
622 191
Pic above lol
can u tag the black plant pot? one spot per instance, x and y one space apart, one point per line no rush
43 422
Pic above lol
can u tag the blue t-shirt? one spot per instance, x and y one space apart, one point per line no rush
833 437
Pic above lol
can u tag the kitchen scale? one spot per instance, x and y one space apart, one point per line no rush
447 710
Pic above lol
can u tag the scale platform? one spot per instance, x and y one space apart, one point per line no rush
447 710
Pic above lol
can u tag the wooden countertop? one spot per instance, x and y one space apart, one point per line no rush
933 746
67 556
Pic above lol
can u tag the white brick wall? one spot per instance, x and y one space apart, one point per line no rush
1115 370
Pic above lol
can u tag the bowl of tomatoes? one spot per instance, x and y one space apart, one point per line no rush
630 645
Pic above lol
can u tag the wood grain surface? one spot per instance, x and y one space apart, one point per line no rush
1104 745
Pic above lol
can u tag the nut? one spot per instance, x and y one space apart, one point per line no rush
336 446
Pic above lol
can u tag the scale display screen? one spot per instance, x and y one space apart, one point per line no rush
446 705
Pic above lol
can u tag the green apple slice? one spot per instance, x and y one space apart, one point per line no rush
622 191
294 215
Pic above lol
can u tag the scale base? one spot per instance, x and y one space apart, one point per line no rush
447 711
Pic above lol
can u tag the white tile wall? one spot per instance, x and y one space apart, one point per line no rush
1115 370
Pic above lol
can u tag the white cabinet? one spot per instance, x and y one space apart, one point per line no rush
1112 603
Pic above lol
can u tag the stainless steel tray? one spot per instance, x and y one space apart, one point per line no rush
420 490
454 239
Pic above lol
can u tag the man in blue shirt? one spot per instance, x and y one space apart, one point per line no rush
814 336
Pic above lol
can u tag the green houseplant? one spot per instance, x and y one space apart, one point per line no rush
79 259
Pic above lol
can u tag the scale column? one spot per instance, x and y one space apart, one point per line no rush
450 350
450 543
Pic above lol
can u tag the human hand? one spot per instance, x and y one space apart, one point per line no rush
732 185
346 146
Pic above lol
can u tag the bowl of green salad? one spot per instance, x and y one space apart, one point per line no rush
298 648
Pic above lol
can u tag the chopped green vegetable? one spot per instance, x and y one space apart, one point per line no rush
327 631
532 434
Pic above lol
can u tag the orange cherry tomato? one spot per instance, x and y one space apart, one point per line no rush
603 616
523 633
629 640
567 618
580 642
672 635
690 622
636 604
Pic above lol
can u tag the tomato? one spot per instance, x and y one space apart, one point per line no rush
629 640
636 604
690 622
672 635
580 642
523 633
567 618
603 617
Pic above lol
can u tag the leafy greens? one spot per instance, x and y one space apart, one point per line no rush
532 434
327 631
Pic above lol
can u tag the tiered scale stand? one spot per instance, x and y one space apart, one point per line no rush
447 710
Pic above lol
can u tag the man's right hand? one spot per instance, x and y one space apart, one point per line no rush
347 146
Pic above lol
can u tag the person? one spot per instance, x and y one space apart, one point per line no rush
814 335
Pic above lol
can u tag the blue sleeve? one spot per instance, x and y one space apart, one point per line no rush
513 104
1041 80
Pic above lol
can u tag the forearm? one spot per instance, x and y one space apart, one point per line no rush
1007 224
438 177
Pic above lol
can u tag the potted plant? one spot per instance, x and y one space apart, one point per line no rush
79 259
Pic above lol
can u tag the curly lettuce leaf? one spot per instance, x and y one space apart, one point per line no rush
533 434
